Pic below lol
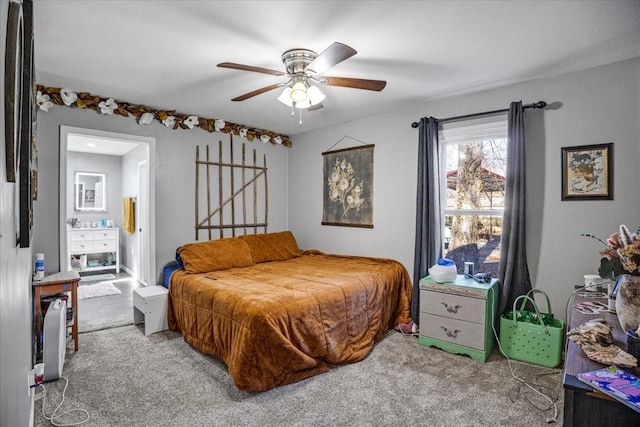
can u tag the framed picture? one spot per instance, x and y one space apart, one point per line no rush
348 187
34 167
12 90
587 172
27 126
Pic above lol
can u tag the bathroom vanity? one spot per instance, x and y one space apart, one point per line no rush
93 249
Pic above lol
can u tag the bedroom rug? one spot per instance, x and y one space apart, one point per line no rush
101 289
123 378
96 277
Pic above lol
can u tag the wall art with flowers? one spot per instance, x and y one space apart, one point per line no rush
348 187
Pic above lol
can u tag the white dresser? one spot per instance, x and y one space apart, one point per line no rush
458 317
100 245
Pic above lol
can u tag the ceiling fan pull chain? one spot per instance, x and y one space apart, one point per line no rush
300 123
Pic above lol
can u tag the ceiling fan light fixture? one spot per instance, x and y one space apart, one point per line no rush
303 104
315 95
285 97
299 92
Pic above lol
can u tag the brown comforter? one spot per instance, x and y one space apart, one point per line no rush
276 323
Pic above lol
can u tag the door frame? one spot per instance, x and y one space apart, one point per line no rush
143 259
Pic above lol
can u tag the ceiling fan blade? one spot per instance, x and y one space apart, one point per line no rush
257 92
376 85
315 107
242 67
333 55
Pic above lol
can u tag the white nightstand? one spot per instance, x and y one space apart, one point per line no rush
150 306
458 317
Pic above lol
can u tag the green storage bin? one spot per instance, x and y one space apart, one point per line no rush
537 343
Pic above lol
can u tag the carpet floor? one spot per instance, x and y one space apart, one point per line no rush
123 378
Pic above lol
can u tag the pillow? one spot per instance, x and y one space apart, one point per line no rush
272 246
212 255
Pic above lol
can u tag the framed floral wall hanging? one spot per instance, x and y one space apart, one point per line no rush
348 187
587 172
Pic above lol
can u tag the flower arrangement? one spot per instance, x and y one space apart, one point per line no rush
621 254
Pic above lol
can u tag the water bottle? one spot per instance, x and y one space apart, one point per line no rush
39 274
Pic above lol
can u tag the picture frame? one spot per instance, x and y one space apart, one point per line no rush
34 167
12 89
587 172
348 187
28 116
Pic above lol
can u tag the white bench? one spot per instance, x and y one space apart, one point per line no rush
150 306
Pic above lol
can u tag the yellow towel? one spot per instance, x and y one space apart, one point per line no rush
128 214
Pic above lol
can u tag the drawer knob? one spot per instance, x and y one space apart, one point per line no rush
451 309
451 334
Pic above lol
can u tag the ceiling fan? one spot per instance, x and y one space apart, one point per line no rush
304 70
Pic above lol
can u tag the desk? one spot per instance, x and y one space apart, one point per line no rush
583 405
66 281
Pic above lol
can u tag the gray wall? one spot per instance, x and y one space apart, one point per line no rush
595 106
15 291
110 166
174 172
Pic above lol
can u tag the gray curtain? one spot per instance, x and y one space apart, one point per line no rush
428 235
514 271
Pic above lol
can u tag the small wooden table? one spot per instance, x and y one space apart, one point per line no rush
65 281
583 405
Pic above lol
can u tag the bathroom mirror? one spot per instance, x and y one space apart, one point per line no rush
90 192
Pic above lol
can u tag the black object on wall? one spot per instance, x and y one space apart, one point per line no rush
27 127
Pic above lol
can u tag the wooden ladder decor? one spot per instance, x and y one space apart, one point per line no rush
230 171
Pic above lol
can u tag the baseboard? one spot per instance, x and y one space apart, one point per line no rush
127 270
33 408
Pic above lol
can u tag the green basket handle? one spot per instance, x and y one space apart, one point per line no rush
515 321
539 291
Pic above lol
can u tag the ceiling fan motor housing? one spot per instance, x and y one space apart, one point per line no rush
296 61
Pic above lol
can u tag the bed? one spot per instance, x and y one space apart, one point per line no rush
276 315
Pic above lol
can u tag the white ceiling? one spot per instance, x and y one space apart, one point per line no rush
99 145
163 54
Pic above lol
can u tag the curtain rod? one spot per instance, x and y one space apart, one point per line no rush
539 104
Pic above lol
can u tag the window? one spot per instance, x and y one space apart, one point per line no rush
473 163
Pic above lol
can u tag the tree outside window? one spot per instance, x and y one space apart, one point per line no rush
473 204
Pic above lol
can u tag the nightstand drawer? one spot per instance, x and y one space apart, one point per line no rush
454 331
453 306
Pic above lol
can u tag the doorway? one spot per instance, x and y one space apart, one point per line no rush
133 178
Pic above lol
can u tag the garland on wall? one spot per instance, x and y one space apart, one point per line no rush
47 97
